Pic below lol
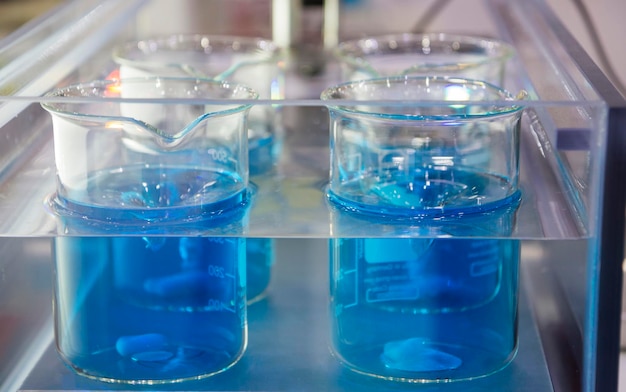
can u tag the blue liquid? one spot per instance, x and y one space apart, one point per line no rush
424 309
259 261
156 308
151 309
263 148
153 193
135 195
429 309
428 190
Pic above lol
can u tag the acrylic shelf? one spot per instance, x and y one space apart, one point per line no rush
558 183
573 132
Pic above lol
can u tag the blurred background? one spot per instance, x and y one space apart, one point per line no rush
598 25
15 13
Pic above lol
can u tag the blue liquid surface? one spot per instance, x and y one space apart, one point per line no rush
157 309
153 193
429 190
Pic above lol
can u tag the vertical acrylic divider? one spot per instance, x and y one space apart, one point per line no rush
598 112
547 49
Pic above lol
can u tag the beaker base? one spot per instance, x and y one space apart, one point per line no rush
400 361
152 367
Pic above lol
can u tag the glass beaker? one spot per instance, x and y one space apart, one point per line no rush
120 157
428 54
254 62
433 157
150 310
141 296
417 156
432 301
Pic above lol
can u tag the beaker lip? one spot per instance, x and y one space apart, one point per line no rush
501 102
135 52
234 43
353 51
110 90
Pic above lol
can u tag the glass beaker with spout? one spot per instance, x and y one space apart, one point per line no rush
145 168
252 61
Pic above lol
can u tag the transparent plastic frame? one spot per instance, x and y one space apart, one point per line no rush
568 131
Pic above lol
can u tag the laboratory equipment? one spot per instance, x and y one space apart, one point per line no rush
409 160
153 302
571 143
427 54
438 307
424 308
254 62
150 310
127 161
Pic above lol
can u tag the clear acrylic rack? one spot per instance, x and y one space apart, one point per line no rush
571 167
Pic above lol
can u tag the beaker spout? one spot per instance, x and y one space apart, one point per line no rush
167 133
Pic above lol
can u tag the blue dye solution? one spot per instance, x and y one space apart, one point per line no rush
427 309
154 308
262 152
157 309
426 191
120 198
130 311
259 261
153 193
442 310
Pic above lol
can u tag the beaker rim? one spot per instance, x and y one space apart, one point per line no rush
108 90
502 102
353 51
135 52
